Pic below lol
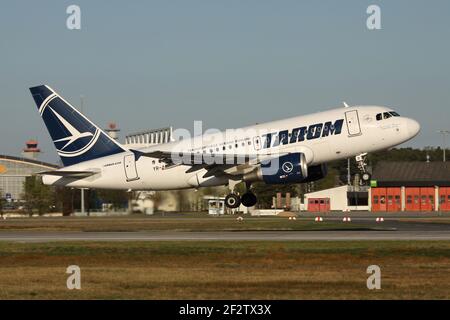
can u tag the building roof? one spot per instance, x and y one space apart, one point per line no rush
412 173
29 161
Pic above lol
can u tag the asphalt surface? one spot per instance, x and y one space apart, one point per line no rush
24 236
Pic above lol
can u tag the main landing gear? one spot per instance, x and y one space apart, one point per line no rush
362 165
248 199
232 201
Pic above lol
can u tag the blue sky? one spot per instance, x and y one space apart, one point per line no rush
148 64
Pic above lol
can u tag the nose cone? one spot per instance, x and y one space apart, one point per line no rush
413 127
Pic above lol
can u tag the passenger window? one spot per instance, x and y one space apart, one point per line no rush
379 117
386 115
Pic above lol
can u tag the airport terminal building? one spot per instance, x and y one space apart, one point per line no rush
14 170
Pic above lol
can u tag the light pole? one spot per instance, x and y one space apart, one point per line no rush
444 135
82 103
82 202
349 177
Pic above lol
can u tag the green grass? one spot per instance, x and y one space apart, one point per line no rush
190 223
226 270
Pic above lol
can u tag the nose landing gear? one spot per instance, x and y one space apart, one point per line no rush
362 165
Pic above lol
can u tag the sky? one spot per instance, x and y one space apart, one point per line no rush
229 63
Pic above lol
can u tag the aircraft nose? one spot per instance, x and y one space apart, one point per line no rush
413 127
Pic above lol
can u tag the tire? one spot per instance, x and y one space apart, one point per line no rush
366 177
248 199
232 201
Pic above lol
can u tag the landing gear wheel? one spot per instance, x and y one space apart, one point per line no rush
248 199
366 176
232 201
362 165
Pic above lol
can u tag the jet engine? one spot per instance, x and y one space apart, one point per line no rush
290 168
316 173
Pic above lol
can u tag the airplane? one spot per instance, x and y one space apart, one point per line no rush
293 150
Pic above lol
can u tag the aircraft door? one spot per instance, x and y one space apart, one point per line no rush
130 167
353 125
257 143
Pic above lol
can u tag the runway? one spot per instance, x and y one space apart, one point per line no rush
367 229
36 236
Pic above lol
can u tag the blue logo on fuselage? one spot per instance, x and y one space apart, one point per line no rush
299 134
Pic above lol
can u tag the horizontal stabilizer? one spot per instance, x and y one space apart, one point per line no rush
68 174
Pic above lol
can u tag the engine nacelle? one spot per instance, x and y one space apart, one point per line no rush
316 173
290 168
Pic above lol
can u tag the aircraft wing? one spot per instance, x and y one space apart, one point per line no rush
68 174
187 158
216 164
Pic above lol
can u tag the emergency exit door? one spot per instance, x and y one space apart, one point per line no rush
130 167
257 143
352 120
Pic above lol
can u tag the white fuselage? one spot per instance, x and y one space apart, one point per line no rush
361 132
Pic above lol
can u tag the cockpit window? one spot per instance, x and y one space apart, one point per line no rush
386 115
